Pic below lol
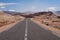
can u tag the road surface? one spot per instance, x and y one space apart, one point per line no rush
27 30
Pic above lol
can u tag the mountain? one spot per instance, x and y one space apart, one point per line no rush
32 13
12 13
57 13
28 12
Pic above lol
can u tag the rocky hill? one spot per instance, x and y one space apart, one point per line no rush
6 18
48 18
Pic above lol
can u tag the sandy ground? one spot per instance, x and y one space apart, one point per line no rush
6 27
52 29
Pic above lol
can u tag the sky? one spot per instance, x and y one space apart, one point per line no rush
29 5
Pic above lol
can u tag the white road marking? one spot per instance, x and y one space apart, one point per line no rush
25 38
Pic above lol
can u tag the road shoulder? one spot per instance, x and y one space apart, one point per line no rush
6 27
53 30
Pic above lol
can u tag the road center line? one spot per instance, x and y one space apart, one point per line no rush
25 38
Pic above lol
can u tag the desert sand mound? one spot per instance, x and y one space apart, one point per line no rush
7 18
48 18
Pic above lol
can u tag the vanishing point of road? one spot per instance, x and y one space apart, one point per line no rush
27 30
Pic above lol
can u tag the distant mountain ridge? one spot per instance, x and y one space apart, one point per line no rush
57 13
30 12
12 13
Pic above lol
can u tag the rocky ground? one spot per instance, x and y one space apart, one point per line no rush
6 19
49 19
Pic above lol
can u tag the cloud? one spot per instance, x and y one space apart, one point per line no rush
51 8
21 10
33 7
3 4
11 10
2 7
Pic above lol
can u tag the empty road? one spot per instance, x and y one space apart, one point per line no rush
27 30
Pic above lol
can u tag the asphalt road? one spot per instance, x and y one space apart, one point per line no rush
27 30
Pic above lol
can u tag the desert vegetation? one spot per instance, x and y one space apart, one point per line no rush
48 18
7 18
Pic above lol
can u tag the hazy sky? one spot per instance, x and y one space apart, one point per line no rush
29 5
